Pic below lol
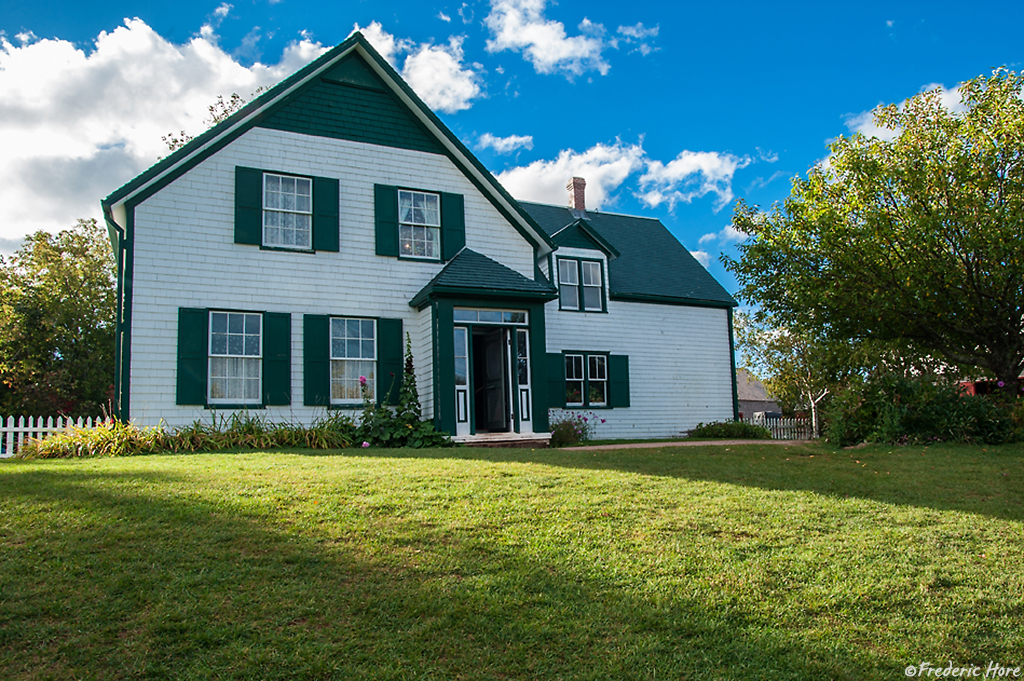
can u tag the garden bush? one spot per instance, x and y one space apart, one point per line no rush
572 427
900 410
730 430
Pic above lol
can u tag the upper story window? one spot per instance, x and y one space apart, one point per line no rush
235 358
287 211
419 224
580 285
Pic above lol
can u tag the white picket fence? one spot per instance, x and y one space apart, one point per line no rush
785 429
15 431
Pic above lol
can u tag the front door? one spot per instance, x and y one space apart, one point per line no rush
491 379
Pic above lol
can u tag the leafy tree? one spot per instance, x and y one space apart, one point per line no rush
916 240
798 369
57 302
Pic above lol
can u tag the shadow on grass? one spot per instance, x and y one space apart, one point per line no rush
974 479
147 575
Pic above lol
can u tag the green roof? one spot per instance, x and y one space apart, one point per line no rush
652 265
471 274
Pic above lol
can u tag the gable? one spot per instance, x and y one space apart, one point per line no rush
576 238
351 102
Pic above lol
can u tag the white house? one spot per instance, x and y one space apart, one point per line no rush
289 250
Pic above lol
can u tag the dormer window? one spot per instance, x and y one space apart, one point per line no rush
580 285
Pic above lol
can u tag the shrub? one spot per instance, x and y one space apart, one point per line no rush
899 410
573 427
108 438
730 430
403 426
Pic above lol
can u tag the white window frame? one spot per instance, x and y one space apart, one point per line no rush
296 212
408 227
581 379
338 363
597 360
235 364
587 267
565 282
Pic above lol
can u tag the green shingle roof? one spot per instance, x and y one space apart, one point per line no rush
471 274
652 264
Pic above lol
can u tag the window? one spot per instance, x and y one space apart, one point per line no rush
586 380
235 358
353 355
287 211
419 225
571 286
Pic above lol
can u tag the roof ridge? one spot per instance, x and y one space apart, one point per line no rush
589 211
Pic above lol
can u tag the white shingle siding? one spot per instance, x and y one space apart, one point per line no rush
185 256
680 373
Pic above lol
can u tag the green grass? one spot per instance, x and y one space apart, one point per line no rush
724 562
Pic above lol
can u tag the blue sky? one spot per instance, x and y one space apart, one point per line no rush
668 109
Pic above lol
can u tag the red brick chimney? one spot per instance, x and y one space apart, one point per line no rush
577 187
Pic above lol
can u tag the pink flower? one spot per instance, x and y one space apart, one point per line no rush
365 444
1000 384
602 420
362 380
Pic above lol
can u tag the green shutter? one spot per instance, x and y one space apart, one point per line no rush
618 378
385 213
316 360
192 355
277 358
390 356
248 206
556 379
453 224
325 214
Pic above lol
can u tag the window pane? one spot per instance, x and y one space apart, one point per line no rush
567 273
252 346
574 367
235 345
465 315
236 323
493 316
367 328
218 322
518 318
252 323
569 297
352 349
218 344
591 298
461 371
367 352
352 327
596 393
337 348
460 343
598 367
591 274
574 392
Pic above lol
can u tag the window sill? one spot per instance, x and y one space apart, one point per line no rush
573 309
285 249
218 405
413 258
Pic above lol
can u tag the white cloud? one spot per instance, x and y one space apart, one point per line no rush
444 17
702 257
639 35
386 44
520 26
504 145
604 166
729 234
435 72
466 13
76 125
691 175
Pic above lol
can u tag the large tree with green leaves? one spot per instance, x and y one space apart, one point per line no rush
917 239
57 302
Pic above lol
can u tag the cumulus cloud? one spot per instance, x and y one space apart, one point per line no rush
604 166
435 72
444 17
504 145
729 234
691 175
75 125
702 257
520 26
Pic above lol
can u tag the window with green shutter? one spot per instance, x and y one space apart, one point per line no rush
278 210
588 380
340 351
418 224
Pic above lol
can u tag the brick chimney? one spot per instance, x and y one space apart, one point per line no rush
577 191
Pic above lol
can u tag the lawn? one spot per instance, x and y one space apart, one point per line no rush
729 562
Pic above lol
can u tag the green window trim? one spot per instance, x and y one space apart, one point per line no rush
249 211
192 384
556 279
616 381
386 223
